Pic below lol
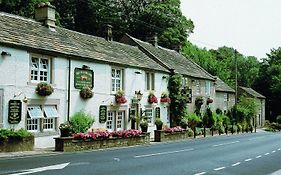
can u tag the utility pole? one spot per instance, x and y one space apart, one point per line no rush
236 76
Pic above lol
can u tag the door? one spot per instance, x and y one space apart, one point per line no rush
1 107
115 120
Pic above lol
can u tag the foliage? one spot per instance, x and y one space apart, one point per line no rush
10 133
81 121
165 98
158 122
193 120
278 119
207 118
143 123
86 92
120 97
178 105
247 107
44 89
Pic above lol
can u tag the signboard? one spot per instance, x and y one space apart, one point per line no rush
14 111
157 112
102 114
83 77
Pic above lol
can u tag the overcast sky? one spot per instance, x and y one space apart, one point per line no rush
253 27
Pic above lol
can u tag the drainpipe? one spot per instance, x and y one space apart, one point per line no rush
68 89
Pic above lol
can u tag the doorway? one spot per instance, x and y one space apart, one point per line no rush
115 120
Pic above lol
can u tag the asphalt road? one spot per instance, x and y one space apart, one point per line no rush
246 154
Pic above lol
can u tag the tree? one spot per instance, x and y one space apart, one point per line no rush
247 107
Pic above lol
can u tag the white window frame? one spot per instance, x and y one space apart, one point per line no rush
225 97
198 87
113 121
184 82
149 114
39 120
207 87
149 81
114 79
40 67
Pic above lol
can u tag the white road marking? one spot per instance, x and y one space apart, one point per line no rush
164 153
238 163
247 160
266 154
273 151
116 159
220 168
46 168
259 156
200 173
279 149
228 143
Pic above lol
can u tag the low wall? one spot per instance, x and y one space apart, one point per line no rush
17 144
68 144
160 136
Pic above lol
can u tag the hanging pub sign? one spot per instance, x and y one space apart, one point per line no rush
157 112
83 77
14 111
102 114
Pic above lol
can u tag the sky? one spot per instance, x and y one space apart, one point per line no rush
253 27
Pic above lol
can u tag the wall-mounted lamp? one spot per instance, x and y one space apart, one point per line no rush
85 67
4 53
137 72
25 99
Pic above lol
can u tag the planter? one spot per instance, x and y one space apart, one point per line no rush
15 144
65 132
68 144
159 127
144 128
160 136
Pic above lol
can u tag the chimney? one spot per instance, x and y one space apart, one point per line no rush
177 47
46 13
108 32
153 40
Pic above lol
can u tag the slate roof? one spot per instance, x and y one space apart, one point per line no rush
222 86
20 32
172 59
252 92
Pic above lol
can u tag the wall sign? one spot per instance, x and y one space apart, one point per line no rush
83 77
157 112
102 114
14 111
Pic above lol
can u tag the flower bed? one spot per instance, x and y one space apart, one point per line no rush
100 140
175 133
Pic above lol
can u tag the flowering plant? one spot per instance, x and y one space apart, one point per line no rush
86 92
44 89
65 129
120 97
152 98
174 129
165 98
209 100
126 133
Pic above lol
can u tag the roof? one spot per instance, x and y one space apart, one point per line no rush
222 86
252 92
172 59
20 32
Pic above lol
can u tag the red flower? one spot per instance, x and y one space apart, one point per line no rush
165 100
152 99
120 99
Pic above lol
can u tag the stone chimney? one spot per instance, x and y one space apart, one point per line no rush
108 32
46 13
177 47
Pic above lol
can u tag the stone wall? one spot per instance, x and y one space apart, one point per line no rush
17 144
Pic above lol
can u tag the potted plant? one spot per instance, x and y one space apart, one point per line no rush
65 130
152 98
144 125
184 122
120 97
86 92
158 123
165 98
44 89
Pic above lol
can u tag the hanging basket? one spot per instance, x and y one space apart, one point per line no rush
44 89
86 93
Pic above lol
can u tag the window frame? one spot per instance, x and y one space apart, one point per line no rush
151 118
207 87
149 81
113 86
198 87
39 68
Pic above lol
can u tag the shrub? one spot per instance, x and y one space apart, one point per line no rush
81 121
239 127
190 132
278 119
9 133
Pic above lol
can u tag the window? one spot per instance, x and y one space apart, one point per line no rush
149 115
149 81
207 87
198 88
115 120
225 97
41 118
184 82
40 69
116 79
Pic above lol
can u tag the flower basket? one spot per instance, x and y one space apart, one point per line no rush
86 92
65 130
120 97
44 89
152 98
